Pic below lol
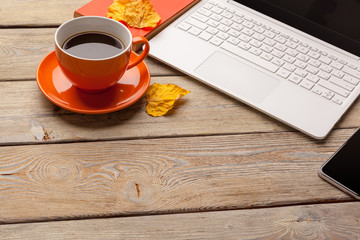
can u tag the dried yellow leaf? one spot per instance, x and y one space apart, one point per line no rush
135 13
161 98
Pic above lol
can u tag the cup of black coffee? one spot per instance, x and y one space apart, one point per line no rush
94 52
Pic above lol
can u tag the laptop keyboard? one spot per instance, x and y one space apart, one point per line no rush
298 62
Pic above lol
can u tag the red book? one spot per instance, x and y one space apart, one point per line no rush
168 10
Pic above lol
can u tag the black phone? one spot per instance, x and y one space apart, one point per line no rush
343 168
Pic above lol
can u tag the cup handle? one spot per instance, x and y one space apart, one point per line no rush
145 52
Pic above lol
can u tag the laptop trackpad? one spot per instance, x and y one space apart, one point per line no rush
236 77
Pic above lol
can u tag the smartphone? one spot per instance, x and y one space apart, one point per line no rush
343 168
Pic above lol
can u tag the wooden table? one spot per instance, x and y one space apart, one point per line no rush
213 168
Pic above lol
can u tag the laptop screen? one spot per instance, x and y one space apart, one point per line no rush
334 21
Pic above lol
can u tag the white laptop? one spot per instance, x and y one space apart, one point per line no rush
297 61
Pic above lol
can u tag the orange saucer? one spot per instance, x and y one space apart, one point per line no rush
57 88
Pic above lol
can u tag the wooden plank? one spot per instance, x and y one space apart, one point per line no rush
20 57
26 116
118 178
325 221
37 12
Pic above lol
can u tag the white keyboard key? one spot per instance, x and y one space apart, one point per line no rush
295 78
223 35
266 48
307 84
269 42
255 51
303 57
338 99
227 15
302 49
223 7
216 41
184 26
212 23
208 6
280 39
338 73
291 44
326 68
212 31
283 73
318 90
200 17
226 22
291 52
237 27
324 75
336 65
277 53
248 32
259 30
196 23
269 34
300 64
205 12
289 67
248 24
323 53
328 94
314 63
216 17
234 33
351 80
223 27
302 73
332 87
325 60
266 56
217 10
280 47
237 19
314 55
255 43
205 35
258 37
312 78
233 41
195 31
250 57
351 72
289 59
312 69
278 62
244 38
244 46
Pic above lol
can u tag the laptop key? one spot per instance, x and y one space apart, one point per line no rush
216 41
194 31
283 73
351 72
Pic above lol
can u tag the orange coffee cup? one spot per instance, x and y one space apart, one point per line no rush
97 74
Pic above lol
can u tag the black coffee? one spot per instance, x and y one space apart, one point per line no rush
93 45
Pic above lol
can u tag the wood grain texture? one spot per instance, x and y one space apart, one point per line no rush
26 116
97 179
325 221
21 51
37 12
330 221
